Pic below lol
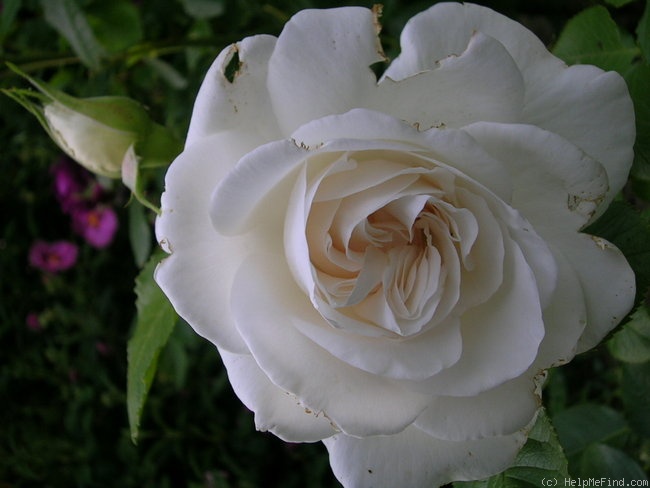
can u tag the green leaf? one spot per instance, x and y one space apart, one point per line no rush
167 72
203 9
631 343
640 322
155 322
586 424
8 16
636 396
67 18
175 359
638 81
629 231
643 32
540 460
618 3
600 461
116 24
139 233
592 37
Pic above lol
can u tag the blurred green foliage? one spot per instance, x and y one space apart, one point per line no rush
63 419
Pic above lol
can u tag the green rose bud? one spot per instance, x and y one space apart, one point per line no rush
94 142
97 132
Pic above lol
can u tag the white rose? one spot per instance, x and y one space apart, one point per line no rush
390 266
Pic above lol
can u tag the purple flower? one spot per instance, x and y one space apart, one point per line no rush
53 257
73 186
96 225
102 348
33 322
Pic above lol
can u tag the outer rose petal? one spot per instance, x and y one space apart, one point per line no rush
481 83
445 30
195 277
609 288
413 458
242 105
555 184
275 410
600 120
321 64
580 103
504 409
565 318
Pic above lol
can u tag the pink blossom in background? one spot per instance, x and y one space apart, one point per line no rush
33 322
96 225
53 257
73 186
102 348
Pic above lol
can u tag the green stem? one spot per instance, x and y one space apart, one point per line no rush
138 51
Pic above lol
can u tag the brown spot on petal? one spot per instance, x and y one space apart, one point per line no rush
601 243
232 68
377 10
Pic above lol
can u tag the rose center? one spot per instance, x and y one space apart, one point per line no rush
393 270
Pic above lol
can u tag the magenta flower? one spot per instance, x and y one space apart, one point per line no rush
73 186
33 322
53 257
96 225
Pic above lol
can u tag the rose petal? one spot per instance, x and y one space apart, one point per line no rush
414 358
581 103
259 175
453 148
357 402
446 29
593 110
414 458
502 410
184 229
555 184
321 64
275 410
483 264
242 104
504 333
609 287
565 317
481 83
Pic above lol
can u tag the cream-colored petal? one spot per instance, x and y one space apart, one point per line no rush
321 64
195 277
241 104
500 337
414 459
555 184
607 282
502 410
357 402
275 410
481 83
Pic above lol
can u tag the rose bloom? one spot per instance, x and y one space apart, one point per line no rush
391 265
